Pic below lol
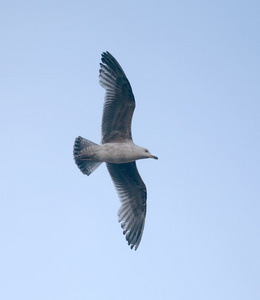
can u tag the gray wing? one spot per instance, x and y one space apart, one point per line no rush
132 193
119 101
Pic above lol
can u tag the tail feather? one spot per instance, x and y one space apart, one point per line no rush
85 166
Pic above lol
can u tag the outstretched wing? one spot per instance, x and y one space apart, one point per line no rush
132 193
119 101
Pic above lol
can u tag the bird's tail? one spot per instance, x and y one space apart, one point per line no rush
86 166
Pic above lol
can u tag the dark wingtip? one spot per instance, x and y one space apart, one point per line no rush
105 55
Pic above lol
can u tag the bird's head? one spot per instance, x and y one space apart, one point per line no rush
147 154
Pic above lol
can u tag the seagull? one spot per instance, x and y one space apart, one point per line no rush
118 150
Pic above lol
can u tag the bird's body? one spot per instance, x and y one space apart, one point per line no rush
118 150
116 153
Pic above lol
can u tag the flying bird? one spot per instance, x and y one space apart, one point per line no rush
118 150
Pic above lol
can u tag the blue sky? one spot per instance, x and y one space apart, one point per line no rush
194 67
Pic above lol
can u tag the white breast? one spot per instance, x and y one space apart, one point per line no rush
118 153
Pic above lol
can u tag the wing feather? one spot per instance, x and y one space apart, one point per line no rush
132 193
119 101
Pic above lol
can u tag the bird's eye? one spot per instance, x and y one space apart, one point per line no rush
146 150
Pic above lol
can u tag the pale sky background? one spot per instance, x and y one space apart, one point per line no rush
194 67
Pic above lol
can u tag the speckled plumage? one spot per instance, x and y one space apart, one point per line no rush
118 150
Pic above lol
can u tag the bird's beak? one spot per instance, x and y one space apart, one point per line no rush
154 157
